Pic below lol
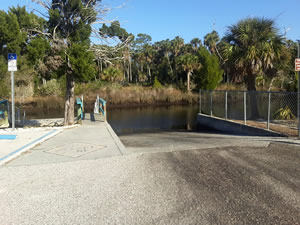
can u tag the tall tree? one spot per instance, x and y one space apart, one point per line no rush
69 28
210 73
189 63
255 45
211 40
196 43
115 30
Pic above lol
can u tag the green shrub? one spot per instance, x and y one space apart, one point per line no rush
284 114
210 73
52 87
4 89
112 74
156 84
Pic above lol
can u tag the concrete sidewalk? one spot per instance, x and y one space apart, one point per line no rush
93 140
25 139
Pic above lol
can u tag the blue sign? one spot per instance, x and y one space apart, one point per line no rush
12 56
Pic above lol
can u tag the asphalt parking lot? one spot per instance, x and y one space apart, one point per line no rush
226 185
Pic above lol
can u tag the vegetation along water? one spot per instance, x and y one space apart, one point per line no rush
58 59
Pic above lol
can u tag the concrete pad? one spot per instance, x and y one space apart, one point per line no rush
25 139
180 141
93 140
75 150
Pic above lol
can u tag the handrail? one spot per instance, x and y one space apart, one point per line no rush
101 106
80 111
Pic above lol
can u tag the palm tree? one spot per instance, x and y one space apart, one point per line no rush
189 63
211 40
196 43
254 46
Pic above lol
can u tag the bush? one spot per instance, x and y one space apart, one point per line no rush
112 74
4 89
52 87
284 114
210 73
156 84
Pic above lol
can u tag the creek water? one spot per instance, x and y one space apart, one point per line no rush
138 119
153 119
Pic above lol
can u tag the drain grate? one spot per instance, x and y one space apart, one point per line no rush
75 150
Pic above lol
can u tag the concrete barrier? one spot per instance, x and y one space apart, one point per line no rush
227 126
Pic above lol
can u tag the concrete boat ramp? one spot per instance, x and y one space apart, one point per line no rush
188 178
94 139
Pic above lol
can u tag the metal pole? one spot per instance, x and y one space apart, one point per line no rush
12 101
200 94
245 108
298 92
211 103
226 106
269 111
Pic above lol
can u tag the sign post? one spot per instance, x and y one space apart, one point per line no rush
12 67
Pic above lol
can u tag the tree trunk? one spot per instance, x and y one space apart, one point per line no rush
252 94
149 73
130 69
69 103
188 81
170 65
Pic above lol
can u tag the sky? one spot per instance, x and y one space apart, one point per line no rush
166 19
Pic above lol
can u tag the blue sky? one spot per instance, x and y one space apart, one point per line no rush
164 19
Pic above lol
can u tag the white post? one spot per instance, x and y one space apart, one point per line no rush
12 101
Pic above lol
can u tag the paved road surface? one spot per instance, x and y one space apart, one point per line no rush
228 185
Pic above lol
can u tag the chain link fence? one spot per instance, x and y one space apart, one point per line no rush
260 106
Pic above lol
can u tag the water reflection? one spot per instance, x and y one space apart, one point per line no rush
153 118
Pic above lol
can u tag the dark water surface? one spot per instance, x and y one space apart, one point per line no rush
153 119
138 119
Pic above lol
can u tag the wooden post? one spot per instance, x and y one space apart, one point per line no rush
226 105
245 107
105 113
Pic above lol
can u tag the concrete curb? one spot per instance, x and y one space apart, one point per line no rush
26 147
233 127
116 139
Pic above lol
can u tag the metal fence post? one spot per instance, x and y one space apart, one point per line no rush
226 109
245 107
200 101
211 103
269 111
